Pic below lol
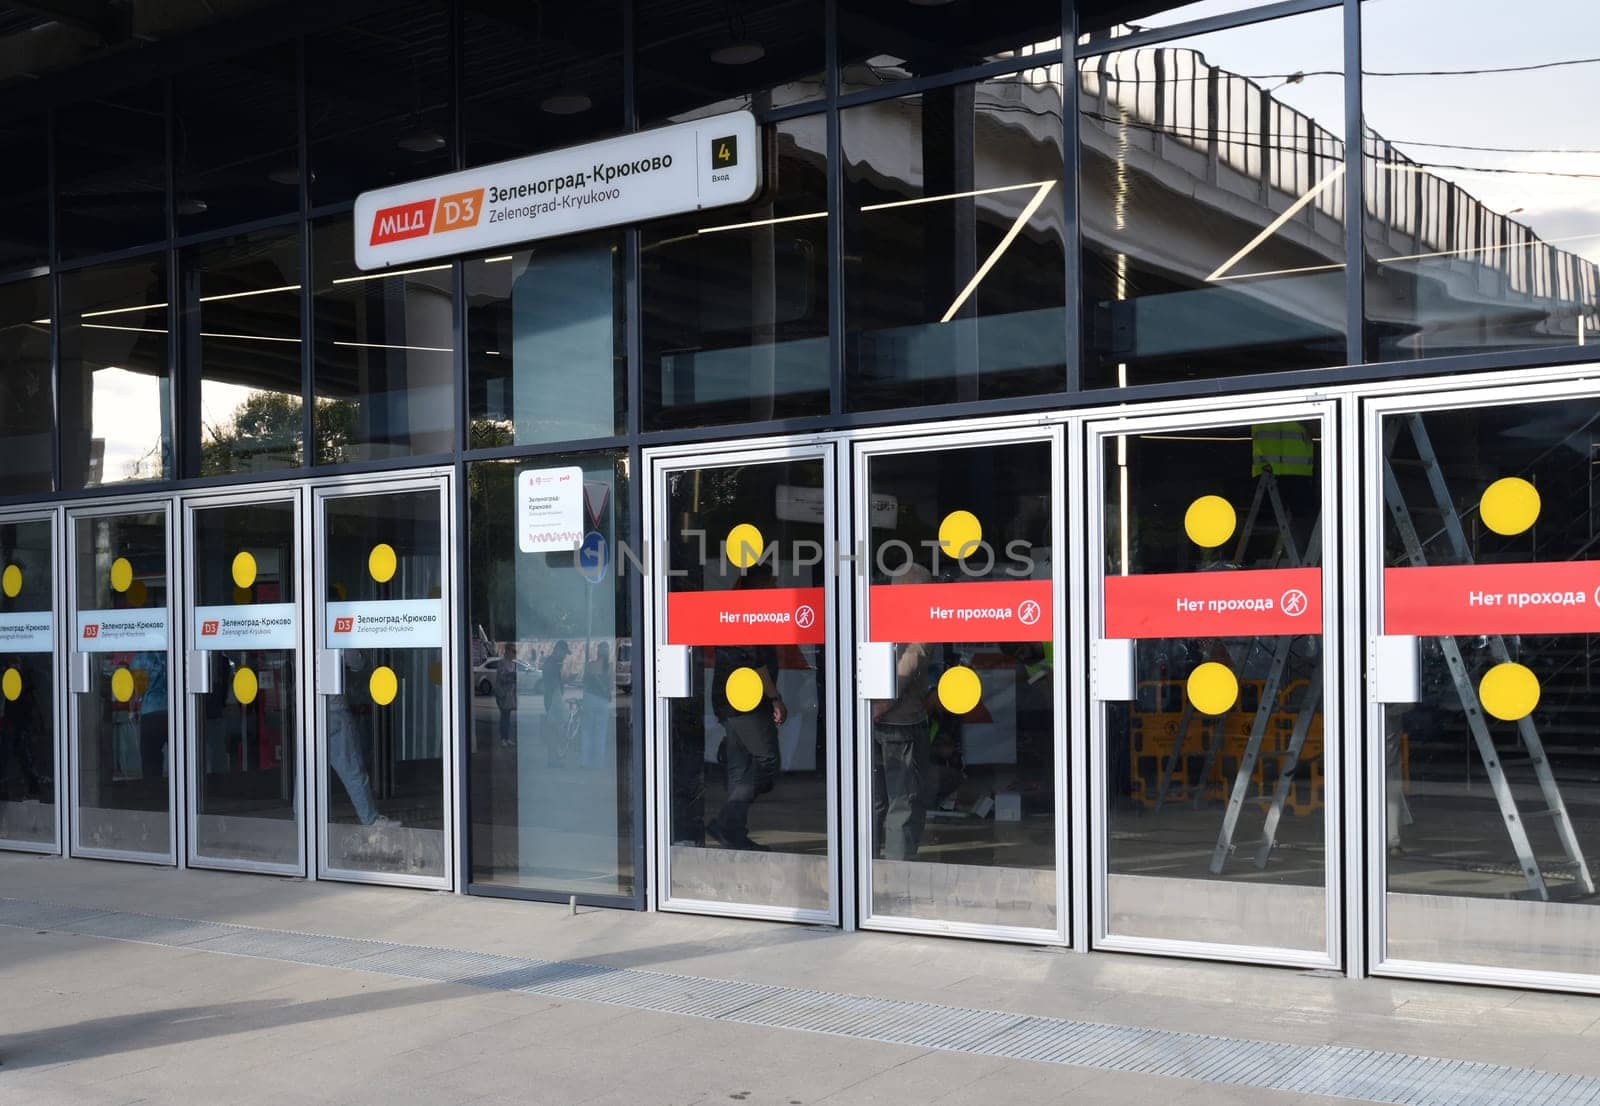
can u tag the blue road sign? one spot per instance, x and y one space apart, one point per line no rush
594 557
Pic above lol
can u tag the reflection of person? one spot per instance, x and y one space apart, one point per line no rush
344 749
902 764
152 714
598 684
550 686
750 737
505 693
16 739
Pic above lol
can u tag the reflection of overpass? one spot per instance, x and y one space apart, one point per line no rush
1221 142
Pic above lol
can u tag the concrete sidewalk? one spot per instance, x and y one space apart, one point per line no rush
94 1020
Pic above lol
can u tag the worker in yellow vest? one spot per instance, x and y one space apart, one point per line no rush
1281 448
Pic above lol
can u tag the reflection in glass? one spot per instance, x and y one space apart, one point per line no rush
245 730
547 342
1182 863
1212 201
124 758
27 698
552 690
1493 821
1144 15
538 77
881 43
695 61
385 347
735 300
954 248
963 797
1479 154
116 413
111 172
748 763
243 318
27 400
379 97
383 741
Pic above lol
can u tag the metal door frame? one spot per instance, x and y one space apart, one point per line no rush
176 791
59 700
295 493
1445 394
932 439
320 492
658 463
1338 734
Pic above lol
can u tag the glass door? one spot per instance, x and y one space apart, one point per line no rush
1484 688
744 748
123 755
1216 808
385 684
244 677
960 685
30 788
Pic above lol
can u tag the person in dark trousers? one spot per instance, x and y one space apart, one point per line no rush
902 766
750 737
505 694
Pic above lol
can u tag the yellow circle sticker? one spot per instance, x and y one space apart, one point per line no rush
245 686
244 569
1209 521
743 690
122 685
744 545
382 562
1213 688
121 574
11 685
1509 506
959 689
960 533
1509 691
11 581
383 685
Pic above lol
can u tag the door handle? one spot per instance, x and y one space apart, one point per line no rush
330 671
673 676
1393 669
198 672
876 675
1115 680
78 673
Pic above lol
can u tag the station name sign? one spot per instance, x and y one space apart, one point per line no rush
705 163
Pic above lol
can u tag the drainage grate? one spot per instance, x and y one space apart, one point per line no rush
1332 1070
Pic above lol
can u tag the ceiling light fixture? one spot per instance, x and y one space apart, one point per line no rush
739 53
422 140
570 102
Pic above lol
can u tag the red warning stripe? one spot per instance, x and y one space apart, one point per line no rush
1539 597
758 616
980 610
1225 603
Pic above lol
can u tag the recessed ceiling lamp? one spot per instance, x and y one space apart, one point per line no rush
421 141
566 103
192 206
739 53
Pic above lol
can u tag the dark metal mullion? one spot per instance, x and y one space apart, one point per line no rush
1354 188
642 805
308 382
1072 315
835 202
1224 22
183 379
52 259
461 553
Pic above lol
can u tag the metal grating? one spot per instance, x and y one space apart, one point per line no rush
1333 1070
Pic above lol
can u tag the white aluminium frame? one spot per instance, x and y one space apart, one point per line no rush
659 464
1336 683
1446 395
176 768
859 719
58 693
295 494
439 480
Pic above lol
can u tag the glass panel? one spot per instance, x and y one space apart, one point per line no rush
547 342
735 300
25 193
27 684
385 350
384 736
538 77
124 758
1490 531
749 748
1216 811
1480 156
955 250
237 140
111 173
884 43
704 59
1124 18
242 316
116 413
379 98
27 392
552 686
963 758
1212 200
246 731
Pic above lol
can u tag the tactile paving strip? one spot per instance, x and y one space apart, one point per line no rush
1358 1073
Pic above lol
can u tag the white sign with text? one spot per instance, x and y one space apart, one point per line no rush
27 632
255 626
550 509
122 631
386 623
